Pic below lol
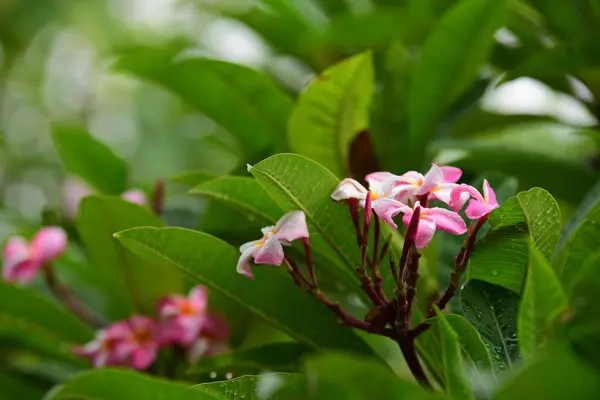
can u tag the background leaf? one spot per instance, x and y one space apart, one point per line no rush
543 300
130 284
82 155
245 387
273 296
331 111
493 311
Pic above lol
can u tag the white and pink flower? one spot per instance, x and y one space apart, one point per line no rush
432 219
479 205
182 317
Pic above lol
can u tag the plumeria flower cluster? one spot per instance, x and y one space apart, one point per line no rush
387 196
182 321
23 259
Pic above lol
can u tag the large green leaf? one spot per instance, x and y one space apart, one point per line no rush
455 379
244 194
130 284
37 322
493 311
275 357
250 387
112 384
568 20
543 300
331 112
273 296
298 183
501 257
449 63
91 160
218 88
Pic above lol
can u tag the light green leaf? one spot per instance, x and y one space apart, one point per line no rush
218 88
457 384
243 194
331 111
129 283
38 323
194 178
274 356
273 296
501 257
449 63
82 155
248 387
543 300
493 311
112 384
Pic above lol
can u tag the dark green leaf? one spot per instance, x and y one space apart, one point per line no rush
449 63
244 194
501 257
493 311
17 386
91 160
273 296
109 384
248 387
194 178
569 19
130 284
217 88
275 357
457 385
331 112
543 300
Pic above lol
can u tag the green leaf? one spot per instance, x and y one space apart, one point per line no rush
543 300
501 257
218 88
298 183
493 311
275 357
555 376
82 155
38 322
457 385
590 201
18 386
568 19
331 111
449 63
250 387
273 296
243 194
194 178
130 284
112 384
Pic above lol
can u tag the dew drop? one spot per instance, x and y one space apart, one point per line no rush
495 272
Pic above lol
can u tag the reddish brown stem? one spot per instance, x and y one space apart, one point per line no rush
407 346
158 197
309 262
353 207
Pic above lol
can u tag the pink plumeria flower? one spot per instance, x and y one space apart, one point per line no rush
432 219
182 317
135 196
438 182
479 205
212 340
101 350
382 196
22 260
268 249
73 192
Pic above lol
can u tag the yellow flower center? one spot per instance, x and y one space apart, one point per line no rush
374 196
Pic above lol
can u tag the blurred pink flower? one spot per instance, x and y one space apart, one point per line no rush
22 260
135 196
212 339
182 317
268 249
432 219
382 195
478 205
131 343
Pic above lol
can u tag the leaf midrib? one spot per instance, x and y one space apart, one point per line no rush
237 204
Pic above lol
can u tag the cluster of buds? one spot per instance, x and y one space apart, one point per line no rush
184 322
387 196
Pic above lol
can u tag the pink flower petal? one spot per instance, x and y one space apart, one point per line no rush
48 243
446 220
243 265
271 253
488 194
17 266
143 357
23 272
168 307
216 326
433 179
444 193
458 198
451 174
135 196
16 250
291 226
141 323
380 177
73 191
349 189
387 209
425 232
477 209
412 177
199 298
